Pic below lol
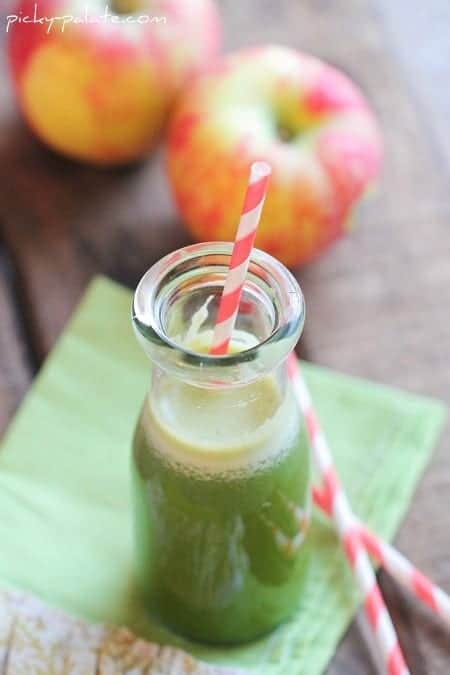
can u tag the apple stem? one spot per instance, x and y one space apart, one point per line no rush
285 134
126 6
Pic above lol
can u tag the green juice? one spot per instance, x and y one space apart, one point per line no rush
222 499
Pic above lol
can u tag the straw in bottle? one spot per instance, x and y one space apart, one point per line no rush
240 257
379 619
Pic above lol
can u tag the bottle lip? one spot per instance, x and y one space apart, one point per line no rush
185 363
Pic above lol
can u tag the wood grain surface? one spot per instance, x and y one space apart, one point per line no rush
377 303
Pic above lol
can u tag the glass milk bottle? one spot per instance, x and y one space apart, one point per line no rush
221 466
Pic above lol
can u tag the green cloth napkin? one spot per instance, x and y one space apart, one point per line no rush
65 526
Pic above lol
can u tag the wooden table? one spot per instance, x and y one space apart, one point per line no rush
378 303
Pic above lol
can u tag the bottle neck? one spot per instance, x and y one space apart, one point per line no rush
175 310
226 429
177 380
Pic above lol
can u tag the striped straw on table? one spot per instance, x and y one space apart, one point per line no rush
240 257
398 566
346 525
378 616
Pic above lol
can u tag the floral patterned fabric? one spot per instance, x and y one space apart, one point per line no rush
39 640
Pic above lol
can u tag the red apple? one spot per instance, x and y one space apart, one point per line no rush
305 118
95 78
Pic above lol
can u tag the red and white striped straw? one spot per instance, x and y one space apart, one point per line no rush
240 257
346 525
345 521
399 567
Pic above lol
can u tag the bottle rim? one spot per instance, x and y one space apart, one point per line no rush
281 289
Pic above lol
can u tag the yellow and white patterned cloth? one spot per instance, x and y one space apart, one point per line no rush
36 639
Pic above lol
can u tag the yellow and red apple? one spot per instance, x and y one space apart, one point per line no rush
95 78
305 118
